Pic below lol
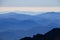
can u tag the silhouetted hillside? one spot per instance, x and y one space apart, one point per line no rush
54 34
27 38
38 37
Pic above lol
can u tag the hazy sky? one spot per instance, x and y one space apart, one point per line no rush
30 3
32 9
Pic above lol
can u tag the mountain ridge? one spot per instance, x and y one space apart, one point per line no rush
27 25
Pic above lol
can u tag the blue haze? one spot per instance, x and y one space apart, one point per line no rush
14 26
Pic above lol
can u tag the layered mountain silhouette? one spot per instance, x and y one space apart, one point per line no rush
14 26
54 34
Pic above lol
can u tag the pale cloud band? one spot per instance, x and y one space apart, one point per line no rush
32 9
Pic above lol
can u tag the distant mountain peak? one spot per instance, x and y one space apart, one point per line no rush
12 13
53 12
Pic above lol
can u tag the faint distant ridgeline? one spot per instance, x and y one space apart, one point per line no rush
54 34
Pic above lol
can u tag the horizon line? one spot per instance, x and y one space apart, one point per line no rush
32 9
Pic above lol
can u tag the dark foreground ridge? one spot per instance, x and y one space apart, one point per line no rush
54 34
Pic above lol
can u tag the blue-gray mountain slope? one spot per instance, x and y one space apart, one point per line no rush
14 26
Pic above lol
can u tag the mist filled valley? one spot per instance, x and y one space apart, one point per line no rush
15 26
